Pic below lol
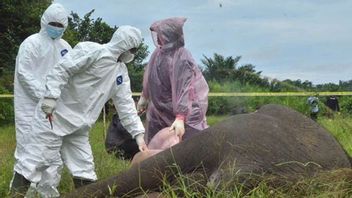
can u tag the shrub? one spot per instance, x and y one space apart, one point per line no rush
346 105
7 115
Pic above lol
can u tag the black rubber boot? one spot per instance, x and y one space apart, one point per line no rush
19 186
79 182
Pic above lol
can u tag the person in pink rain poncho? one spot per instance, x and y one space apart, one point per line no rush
174 89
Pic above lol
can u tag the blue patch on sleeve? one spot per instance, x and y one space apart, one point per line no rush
63 52
119 80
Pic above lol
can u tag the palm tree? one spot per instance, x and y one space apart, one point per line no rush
219 68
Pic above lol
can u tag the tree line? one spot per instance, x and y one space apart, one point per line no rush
21 18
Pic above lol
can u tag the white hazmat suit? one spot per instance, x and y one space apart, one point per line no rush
36 56
82 83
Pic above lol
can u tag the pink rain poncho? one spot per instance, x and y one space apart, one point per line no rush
173 83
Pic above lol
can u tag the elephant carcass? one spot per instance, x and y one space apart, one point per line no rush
275 140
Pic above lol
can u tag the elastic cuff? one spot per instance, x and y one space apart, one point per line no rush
135 136
180 117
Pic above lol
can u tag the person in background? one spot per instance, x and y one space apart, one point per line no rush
174 88
36 56
313 102
76 90
333 103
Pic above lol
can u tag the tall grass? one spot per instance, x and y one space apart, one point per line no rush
335 184
7 148
341 128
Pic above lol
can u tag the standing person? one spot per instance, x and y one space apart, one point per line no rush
76 90
173 86
36 56
333 103
314 107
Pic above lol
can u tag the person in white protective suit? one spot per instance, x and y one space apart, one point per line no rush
76 90
313 102
36 56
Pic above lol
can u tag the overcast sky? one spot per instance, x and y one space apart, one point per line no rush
295 39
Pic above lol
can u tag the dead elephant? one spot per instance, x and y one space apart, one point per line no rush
275 140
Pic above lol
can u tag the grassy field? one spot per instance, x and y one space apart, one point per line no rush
334 184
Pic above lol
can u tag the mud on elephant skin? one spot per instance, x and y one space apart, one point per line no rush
274 141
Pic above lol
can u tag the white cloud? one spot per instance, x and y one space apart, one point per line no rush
293 38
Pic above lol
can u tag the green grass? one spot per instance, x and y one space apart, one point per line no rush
341 128
107 165
215 119
7 148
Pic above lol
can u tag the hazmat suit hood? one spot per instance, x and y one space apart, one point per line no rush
125 38
54 13
168 33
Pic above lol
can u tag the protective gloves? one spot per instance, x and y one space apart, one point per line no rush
48 105
140 142
142 104
179 126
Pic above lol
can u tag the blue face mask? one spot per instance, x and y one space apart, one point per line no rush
54 32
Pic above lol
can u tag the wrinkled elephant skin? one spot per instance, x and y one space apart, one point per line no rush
275 140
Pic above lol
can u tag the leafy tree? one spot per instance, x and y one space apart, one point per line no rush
246 74
222 69
345 85
219 68
88 29
19 19
328 87
136 68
